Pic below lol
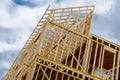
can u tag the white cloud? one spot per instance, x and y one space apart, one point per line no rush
5 65
4 46
20 18
109 35
103 6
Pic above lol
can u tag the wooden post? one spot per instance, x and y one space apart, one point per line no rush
101 50
101 67
96 49
118 65
87 55
31 70
113 69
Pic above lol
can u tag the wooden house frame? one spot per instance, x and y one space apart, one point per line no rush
61 47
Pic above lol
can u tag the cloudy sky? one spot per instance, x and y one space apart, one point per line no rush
19 17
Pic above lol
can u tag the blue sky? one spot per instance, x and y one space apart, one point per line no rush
19 17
